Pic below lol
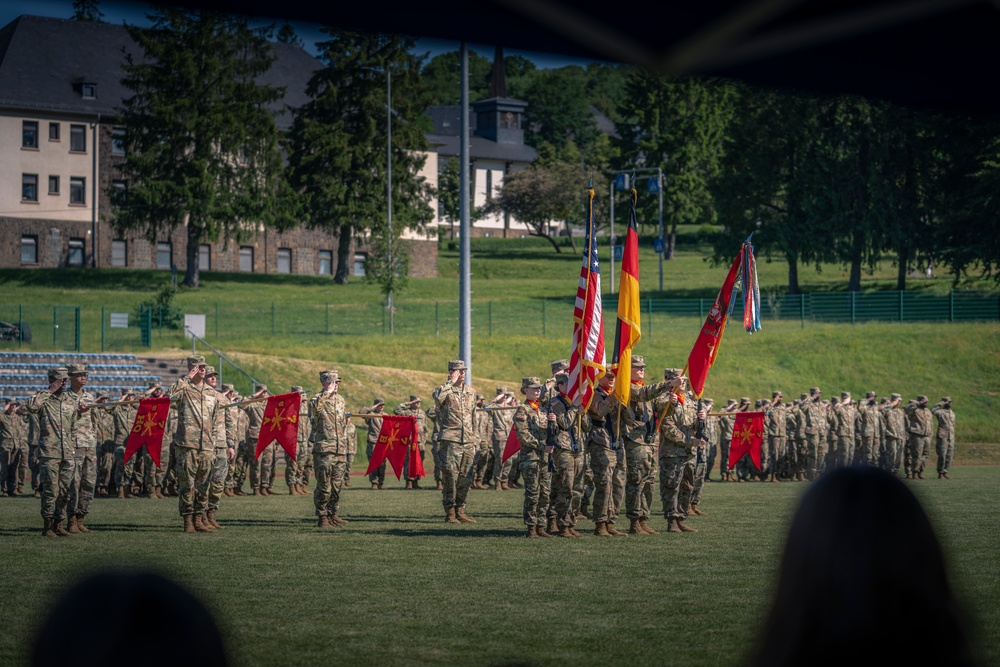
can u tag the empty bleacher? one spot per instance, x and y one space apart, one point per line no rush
24 373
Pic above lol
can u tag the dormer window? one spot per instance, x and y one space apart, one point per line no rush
88 91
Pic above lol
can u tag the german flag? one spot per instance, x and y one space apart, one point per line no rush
627 328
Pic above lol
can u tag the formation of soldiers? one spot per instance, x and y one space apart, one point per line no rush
571 463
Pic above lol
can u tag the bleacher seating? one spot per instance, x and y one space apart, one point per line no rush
24 373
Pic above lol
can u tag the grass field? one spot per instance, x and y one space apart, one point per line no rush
398 586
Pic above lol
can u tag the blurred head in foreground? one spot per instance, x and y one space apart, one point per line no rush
862 573
113 614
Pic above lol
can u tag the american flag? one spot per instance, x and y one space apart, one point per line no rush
587 361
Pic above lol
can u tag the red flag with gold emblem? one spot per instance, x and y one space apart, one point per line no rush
147 429
748 435
415 468
281 423
398 433
513 445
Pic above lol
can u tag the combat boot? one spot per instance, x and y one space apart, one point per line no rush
602 529
38 493
532 532
156 493
409 485
60 531
79 523
920 475
121 491
440 485
635 528
347 481
462 516
672 526
542 532
323 522
553 526
239 491
256 491
614 532
228 492
210 519
71 524
497 486
450 516
945 475
644 524
19 490
201 526
504 486
47 530
416 484
694 510
685 528
575 532
565 532
130 492
339 520
189 524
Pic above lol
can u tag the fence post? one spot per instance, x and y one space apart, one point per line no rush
327 319
491 318
901 305
951 306
217 326
802 309
853 295
272 318
102 328
20 325
701 309
543 317
437 320
55 325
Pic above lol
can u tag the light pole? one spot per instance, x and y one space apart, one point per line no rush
659 183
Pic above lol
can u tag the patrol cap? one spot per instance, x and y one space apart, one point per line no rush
195 360
329 376
562 378
775 394
731 401
209 371
58 373
559 365
104 393
76 369
844 395
834 401
9 400
456 365
803 397
671 373
414 398
946 399
153 388
883 400
480 397
501 390
531 382
870 394
295 387
378 400
744 400
895 397
921 399
638 361
226 388
814 391
710 401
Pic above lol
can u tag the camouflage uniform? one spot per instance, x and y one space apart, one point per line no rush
260 466
328 416
352 451
846 416
104 428
13 436
776 424
677 462
455 404
194 441
811 429
530 424
638 432
81 488
57 414
34 437
412 409
603 445
297 471
726 425
241 464
123 417
702 458
567 456
374 425
483 425
895 434
919 423
432 414
945 435
225 442
501 421
869 423
712 432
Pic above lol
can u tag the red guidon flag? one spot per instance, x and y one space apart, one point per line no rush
748 434
398 433
147 429
281 423
512 447
415 467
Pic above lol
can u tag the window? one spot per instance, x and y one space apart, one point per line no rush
53 185
77 190
325 262
29 134
75 257
164 255
118 141
53 131
78 138
359 264
119 253
29 250
246 259
88 91
284 260
119 192
204 257
29 187
489 185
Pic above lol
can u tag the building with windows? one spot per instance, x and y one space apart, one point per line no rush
60 86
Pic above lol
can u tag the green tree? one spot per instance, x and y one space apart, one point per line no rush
540 195
680 126
558 109
338 142
442 78
286 35
202 142
87 10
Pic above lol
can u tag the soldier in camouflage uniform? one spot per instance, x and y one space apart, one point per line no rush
919 422
84 480
776 424
225 448
894 436
455 403
501 421
795 444
726 424
702 458
412 409
374 425
483 424
530 422
57 413
945 435
197 406
811 429
241 464
603 445
639 433
352 450
260 466
869 424
297 471
677 454
846 415
328 416
13 430
712 437
34 434
123 417
432 414
567 455
19 454
104 428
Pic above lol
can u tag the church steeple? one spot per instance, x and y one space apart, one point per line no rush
499 117
499 75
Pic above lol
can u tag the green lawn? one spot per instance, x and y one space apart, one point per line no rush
398 586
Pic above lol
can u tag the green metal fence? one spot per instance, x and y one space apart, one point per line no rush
117 328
